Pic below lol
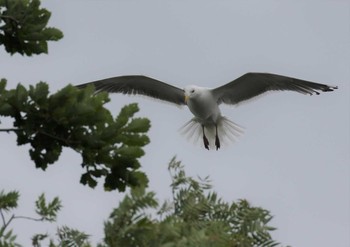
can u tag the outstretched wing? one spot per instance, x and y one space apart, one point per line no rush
254 84
138 84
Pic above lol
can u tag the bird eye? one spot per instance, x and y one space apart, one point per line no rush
192 91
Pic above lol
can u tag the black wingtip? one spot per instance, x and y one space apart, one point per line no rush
81 86
330 88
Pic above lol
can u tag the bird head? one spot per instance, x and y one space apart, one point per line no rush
191 92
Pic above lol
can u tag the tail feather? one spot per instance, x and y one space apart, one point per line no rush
228 131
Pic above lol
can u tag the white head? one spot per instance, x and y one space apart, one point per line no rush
191 92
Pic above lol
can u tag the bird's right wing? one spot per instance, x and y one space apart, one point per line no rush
138 84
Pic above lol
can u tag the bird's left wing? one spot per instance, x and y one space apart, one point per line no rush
253 84
138 84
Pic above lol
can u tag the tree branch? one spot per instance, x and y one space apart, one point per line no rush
10 129
28 218
66 141
3 17
8 222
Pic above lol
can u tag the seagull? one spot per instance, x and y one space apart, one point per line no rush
204 102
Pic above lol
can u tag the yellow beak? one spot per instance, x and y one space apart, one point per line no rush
186 98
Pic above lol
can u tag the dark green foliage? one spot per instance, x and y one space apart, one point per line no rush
23 27
196 217
77 119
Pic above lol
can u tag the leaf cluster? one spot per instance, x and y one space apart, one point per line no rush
77 119
66 237
23 27
9 201
8 239
48 211
195 217
71 237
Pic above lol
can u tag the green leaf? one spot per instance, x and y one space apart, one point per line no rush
125 114
47 211
37 238
8 239
86 178
52 33
6 109
138 125
21 96
3 83
39 93
131 151
8 200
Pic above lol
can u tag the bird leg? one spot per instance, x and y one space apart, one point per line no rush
205 139
217 140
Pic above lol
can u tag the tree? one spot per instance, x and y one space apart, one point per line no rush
77 119
23 27
46 211
71 118
195 217
110 148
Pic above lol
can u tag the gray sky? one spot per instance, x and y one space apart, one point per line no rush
294 156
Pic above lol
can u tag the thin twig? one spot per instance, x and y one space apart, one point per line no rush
8 222
28 218
66 141
2 217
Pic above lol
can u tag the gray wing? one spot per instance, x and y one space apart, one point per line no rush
254 84
138 84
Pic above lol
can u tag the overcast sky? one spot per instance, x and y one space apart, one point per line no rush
294 156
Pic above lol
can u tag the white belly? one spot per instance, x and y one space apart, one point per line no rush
207 111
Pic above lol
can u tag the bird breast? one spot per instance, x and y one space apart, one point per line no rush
205 108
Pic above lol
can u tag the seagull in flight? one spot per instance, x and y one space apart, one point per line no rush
204 102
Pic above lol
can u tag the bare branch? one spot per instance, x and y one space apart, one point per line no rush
10 129
28 218
8 222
